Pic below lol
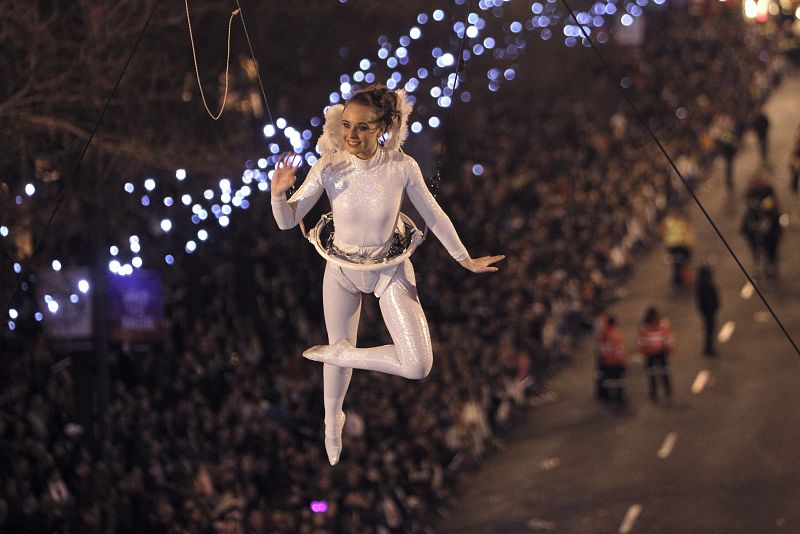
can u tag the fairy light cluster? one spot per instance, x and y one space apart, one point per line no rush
428 76
201 213
421 61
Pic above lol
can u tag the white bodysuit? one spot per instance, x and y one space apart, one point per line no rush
365 196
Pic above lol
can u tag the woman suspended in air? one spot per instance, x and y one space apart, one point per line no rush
365 181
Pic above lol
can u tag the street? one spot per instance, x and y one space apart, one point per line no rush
723 455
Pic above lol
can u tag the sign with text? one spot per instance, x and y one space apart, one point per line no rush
136 306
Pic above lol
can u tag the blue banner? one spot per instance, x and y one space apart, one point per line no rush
136 306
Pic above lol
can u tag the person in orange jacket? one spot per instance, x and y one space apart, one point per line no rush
611 362
656 341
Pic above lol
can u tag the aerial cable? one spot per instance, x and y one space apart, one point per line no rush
455 76
240 12
213 115
255 62
708 217
75 167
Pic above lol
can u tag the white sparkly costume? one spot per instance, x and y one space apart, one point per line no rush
365 196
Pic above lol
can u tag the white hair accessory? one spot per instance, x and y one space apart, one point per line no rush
399 134
331 138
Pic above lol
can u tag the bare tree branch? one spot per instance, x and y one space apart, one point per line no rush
60 60
146 154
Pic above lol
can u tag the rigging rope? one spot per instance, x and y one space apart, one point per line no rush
235 12
197 69
708 217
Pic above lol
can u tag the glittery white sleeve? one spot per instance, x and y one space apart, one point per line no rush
289 213
435 217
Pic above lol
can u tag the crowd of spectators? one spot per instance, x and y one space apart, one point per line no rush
219 429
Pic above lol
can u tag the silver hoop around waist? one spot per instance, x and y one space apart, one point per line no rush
405 239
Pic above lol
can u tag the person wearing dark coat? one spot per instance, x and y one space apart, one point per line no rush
708 304
794 166
761 128
761 224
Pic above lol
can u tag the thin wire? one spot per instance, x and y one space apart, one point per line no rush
255 62
71 176
459 69
644 122
261 85
456 74
197 69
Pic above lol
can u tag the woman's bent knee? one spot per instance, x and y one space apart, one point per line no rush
419 370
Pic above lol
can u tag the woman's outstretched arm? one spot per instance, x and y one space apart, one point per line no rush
289 213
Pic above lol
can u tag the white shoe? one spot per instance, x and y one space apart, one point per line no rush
323 353
333 439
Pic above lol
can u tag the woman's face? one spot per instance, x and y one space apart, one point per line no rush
361 130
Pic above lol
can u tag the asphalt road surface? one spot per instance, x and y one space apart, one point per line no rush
724 455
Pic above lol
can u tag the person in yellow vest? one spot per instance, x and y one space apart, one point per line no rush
678 239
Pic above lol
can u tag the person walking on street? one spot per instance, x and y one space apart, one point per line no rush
794 166
611 363
760 126
656 342
724 132
708 304
761 224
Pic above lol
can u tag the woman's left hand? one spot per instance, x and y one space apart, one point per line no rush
482 265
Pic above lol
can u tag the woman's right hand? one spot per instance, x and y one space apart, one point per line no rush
283 177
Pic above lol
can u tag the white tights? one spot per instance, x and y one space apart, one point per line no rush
410 355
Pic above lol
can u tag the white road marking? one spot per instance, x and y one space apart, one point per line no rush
540 524
544 398
668 445
700 381
630 518
726 332
747 290
762 317
549 463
